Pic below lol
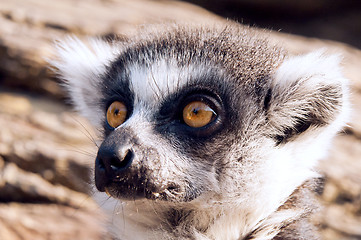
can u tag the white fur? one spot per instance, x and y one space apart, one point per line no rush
81 67
151 84
317 67
295 162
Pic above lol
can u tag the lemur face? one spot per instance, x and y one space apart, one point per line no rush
170 129
163 127
191 113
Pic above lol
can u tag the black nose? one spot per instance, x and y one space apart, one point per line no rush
111 161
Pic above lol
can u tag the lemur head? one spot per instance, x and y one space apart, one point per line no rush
204 114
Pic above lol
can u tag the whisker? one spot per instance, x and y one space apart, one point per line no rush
103 202
86 153
86 133
168 89
115 210
153 208
155 83
81 205
123 216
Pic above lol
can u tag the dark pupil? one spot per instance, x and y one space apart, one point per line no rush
195 111
116 111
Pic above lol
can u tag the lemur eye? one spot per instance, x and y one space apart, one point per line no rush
198 114
116 114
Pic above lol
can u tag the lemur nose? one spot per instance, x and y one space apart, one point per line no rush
114 161
110 163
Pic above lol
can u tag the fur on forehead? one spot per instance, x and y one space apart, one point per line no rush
153 84
244 53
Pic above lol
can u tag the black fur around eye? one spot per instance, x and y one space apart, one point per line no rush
192 115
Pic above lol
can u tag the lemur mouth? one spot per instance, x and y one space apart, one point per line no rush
119 178
172 192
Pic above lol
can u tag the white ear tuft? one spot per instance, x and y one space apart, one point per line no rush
308 91
316 66
81 68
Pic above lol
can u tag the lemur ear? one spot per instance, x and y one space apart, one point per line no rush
81 67
307 92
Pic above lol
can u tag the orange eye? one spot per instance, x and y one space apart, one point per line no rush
116 114
198 114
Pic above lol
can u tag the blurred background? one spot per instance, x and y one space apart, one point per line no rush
46 149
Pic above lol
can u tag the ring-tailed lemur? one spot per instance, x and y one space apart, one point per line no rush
208 132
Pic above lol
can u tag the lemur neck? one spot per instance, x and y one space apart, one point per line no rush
165 220
188 222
